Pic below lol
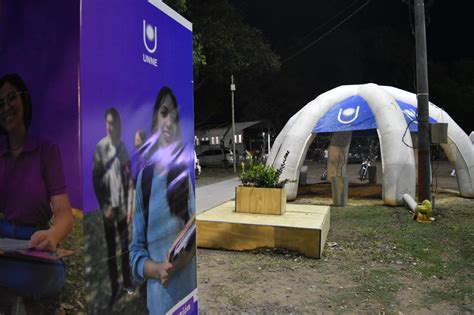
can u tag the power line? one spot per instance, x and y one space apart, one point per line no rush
328 21
324 35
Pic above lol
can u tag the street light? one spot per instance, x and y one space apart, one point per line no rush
232 90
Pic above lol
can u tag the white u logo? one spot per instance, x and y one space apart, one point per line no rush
348 112
149 34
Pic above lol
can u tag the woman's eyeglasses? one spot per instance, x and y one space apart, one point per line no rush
9 99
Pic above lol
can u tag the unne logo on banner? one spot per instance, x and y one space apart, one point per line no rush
150 40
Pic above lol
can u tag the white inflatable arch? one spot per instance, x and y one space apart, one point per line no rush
398 159
459 149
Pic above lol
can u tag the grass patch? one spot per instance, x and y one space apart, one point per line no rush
74 294
97 277
379 286
461 293
442 250
72 297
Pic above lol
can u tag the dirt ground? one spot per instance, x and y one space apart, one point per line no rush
376 260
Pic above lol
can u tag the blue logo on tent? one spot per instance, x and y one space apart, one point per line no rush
354 113
410 113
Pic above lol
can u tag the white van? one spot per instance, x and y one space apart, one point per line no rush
217 157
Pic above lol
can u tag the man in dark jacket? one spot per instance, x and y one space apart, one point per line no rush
113 188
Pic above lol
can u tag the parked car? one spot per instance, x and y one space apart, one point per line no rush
216 157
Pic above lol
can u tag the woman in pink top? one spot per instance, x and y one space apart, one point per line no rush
32 191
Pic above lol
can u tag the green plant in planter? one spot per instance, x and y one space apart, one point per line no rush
263 176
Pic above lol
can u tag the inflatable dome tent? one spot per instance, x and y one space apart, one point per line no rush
359 107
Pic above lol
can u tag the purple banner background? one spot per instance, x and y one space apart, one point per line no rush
39 40
113 74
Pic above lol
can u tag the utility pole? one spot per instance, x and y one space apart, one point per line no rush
232 90
268 142
424 167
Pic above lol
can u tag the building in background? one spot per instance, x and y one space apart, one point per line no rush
250 135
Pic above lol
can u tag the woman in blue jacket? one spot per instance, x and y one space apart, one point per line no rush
164 203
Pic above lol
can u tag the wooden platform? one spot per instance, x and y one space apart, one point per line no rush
302 228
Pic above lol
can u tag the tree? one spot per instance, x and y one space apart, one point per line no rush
199 59
223 45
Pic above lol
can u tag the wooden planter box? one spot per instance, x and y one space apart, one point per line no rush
260 200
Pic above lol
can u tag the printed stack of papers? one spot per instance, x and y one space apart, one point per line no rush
11 245
22 249
187 235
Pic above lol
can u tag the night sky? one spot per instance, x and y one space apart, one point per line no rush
374 45
450 32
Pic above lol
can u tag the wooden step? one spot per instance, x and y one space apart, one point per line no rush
301 228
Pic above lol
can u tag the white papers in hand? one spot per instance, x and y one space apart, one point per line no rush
10 244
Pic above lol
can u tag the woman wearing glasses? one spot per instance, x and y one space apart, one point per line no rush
32 191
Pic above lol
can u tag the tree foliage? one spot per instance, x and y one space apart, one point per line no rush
223 43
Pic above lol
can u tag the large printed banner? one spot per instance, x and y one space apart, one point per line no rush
111 84
354 113
137 132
